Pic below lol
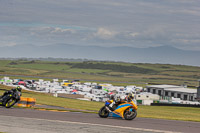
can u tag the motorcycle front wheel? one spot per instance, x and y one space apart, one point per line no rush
130 114
103 112
10 102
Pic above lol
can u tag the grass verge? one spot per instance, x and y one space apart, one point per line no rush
170 113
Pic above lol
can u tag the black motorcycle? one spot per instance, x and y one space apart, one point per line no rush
10 99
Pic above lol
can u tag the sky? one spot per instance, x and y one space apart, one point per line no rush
106 23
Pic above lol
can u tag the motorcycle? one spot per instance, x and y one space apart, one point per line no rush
10 99
125 110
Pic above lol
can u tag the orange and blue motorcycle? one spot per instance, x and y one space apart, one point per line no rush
125 110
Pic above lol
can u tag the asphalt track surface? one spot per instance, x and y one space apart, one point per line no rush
16 120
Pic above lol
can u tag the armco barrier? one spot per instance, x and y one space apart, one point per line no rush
22 102
178 105
30 102
26 102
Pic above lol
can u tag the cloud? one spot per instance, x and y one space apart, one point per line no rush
6 43
60 30
51 31
186 12
104 33
134 34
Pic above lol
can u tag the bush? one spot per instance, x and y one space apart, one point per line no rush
113 67
13 63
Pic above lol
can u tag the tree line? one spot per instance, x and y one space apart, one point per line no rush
112 67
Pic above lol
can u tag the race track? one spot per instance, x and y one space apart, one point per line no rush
17 120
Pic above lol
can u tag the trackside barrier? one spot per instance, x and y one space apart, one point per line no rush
26 102
30 102
22 102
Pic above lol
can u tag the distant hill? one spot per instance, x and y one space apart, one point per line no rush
163 54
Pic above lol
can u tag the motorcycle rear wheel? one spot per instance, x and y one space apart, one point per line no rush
10 102
130 115
103 112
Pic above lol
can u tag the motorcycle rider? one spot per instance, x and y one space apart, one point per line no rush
115 102
120 100
14 90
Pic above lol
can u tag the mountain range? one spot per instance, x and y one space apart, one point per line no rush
161 54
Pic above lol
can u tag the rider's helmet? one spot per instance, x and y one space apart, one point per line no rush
118 98
19 88
112 97
130 96
123 97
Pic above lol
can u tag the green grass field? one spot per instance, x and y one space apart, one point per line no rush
171 113
116 73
